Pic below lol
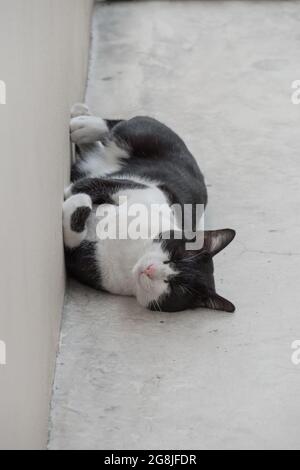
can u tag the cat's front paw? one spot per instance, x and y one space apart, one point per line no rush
87 129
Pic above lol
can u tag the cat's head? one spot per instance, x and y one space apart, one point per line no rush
170 277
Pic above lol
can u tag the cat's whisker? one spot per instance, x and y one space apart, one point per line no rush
192 258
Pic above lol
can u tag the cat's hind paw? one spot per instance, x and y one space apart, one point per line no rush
76 202
76 211
87 129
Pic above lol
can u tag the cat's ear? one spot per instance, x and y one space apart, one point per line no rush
216 240
216 302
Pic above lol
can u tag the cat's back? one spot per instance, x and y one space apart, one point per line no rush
158 154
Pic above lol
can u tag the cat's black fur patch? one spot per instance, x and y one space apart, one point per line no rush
194 285
81 263
79 218
101 190
158 153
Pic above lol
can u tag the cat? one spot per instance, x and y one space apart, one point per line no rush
145 162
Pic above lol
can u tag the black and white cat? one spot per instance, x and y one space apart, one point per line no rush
145 162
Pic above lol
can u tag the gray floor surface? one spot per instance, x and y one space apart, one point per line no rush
220 74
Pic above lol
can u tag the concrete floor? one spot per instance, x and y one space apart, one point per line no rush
220 73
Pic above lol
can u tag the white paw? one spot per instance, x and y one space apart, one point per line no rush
87 129
80 109
78 200
72 237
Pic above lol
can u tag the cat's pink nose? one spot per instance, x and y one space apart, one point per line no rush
150 271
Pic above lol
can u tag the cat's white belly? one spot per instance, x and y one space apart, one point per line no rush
126 232
103 161
117 259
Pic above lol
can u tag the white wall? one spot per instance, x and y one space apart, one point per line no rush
43 62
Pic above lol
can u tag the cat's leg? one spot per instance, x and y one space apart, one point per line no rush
86 128
98 154
81 109
102 190
76 211
81 263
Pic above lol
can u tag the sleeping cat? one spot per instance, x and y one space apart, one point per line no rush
143 162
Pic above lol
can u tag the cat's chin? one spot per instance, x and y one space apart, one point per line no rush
148 293
148 290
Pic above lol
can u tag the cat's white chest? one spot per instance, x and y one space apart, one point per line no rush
118 254
117 259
